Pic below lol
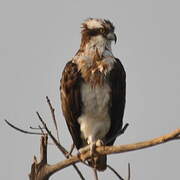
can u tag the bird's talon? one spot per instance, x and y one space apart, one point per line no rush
92 148
99 143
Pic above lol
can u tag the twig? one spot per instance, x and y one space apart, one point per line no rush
35 128
21 130
41 130
115 172
71 150
95 173
129 171
59 146
53 117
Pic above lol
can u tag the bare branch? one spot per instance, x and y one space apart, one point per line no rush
41 130
21 130
129 171
71 150
39 170
102 150
35 128
59 146
95 173
53 116
46 170
115 172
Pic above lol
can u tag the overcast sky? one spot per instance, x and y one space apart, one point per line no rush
38 37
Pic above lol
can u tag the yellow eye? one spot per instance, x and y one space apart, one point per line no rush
102 30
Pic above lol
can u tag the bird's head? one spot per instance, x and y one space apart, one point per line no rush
97 32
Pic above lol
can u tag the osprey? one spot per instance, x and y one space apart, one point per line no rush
93 88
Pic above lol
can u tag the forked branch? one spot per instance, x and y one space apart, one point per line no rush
41 170
44 171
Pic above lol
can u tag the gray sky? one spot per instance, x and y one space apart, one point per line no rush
38 37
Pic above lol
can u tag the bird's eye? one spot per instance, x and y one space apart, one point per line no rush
102 30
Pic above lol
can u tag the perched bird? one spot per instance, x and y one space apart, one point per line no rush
93 88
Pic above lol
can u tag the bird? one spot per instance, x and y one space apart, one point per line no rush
93 90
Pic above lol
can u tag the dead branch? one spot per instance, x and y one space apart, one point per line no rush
21 130
102 150
42 171
95 173
53 116
115 172
71 150
39 170
59 146
129 172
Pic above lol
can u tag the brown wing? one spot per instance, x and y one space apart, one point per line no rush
117 79
71 100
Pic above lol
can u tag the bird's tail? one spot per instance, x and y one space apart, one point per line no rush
99 162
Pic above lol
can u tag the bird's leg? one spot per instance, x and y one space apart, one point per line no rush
92 153
93 146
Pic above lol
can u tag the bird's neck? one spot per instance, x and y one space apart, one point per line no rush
95 60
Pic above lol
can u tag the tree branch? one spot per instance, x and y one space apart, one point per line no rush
59 146
129 172
53 116
39 170
102 150
115 172
42 171
21 130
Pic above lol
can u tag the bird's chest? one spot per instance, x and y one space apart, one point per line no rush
96 100
95 89
96 97
94 71
94 120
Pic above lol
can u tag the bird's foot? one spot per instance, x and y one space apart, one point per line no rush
95 144
92 148
99 142
93 153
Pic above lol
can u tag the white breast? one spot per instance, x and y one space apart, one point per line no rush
95 120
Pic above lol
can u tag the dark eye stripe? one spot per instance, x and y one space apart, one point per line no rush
94 32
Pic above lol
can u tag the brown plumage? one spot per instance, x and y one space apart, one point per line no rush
92 68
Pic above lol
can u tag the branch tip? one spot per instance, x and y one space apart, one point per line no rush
129 171
21 130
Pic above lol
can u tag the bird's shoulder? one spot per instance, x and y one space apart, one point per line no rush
71 77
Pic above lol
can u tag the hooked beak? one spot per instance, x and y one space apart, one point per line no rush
112 37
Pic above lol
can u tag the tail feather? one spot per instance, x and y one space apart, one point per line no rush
100 162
